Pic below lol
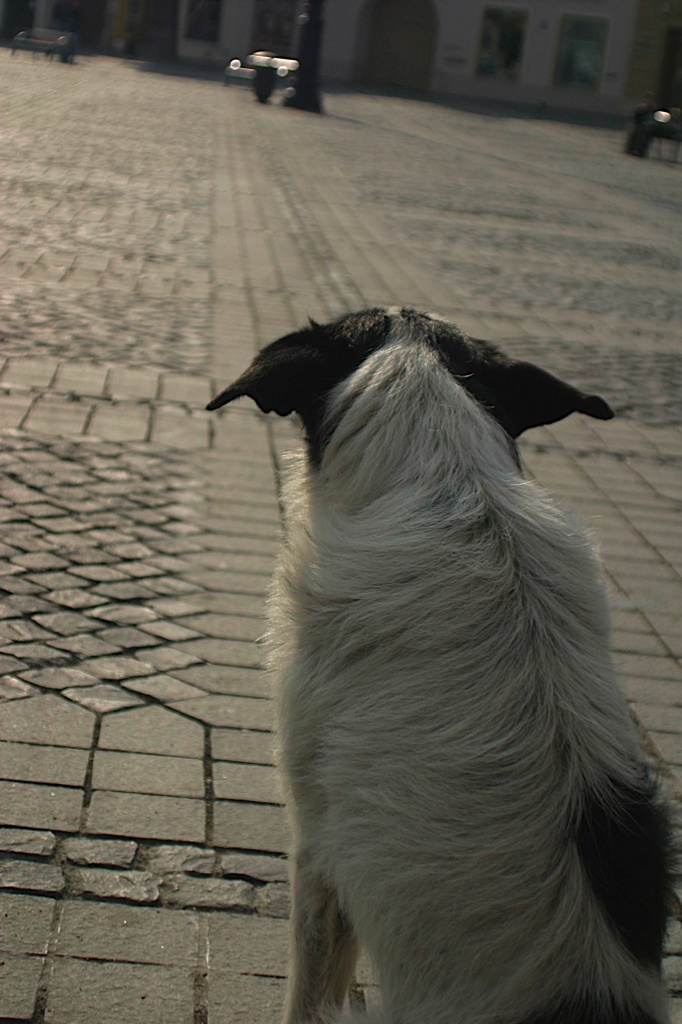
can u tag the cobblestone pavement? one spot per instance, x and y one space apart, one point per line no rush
156 229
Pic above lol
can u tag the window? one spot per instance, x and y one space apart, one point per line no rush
582 42
501 47
203 20
273 25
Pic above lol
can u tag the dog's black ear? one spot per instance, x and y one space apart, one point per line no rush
526 396
282 378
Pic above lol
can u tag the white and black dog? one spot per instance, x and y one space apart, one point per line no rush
468 799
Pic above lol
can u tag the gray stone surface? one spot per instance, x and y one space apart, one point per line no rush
19 980
217 893
26 922
117 933
21 874
83 992
41 807
259 868
31 763
111 852
250 826
137 886
46 719
20 840
153 730
249 945
148 773
173 859
147 817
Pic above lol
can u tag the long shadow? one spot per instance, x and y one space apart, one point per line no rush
540 111
197 72
472 105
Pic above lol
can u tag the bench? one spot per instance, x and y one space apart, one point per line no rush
45 40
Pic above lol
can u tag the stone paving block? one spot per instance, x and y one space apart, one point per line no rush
100 852
663 692
120 421
128 637
26 922
12 688
249 945
274 900
46 719
168 860
672 972
23 874
128 382
660 719
250 827
152 730
254 866
669 746
136 886
117 668
11 664
241 999
181 387
179 428
30 763
167 659
251 782
14 407
83 992
19 981
227 710
27 372
216 893
80 378
102 698
28 805
163 687
227 679
74 598
85 645
238 604
170 631
145 935
234 561
227 627
251 584
148 773
20 840
137 815
123 614
52 414
242 745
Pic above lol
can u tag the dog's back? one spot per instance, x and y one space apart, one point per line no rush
464 779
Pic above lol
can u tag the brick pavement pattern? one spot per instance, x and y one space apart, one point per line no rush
158 228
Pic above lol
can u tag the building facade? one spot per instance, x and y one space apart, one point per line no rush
570 53
600 55
656 64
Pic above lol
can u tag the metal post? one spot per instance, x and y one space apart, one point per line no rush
306 93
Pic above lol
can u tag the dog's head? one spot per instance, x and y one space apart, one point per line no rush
298 372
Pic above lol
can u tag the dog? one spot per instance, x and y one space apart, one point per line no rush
467 795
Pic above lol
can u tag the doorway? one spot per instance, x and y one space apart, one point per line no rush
401 44
670 83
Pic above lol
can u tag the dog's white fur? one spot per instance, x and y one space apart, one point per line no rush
440 632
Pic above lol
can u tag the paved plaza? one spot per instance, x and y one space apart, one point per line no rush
156 228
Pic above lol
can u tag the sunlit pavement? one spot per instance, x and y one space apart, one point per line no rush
157 229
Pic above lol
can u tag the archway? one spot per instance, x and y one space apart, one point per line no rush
401 44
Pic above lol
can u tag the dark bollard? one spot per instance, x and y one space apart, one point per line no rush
306 93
